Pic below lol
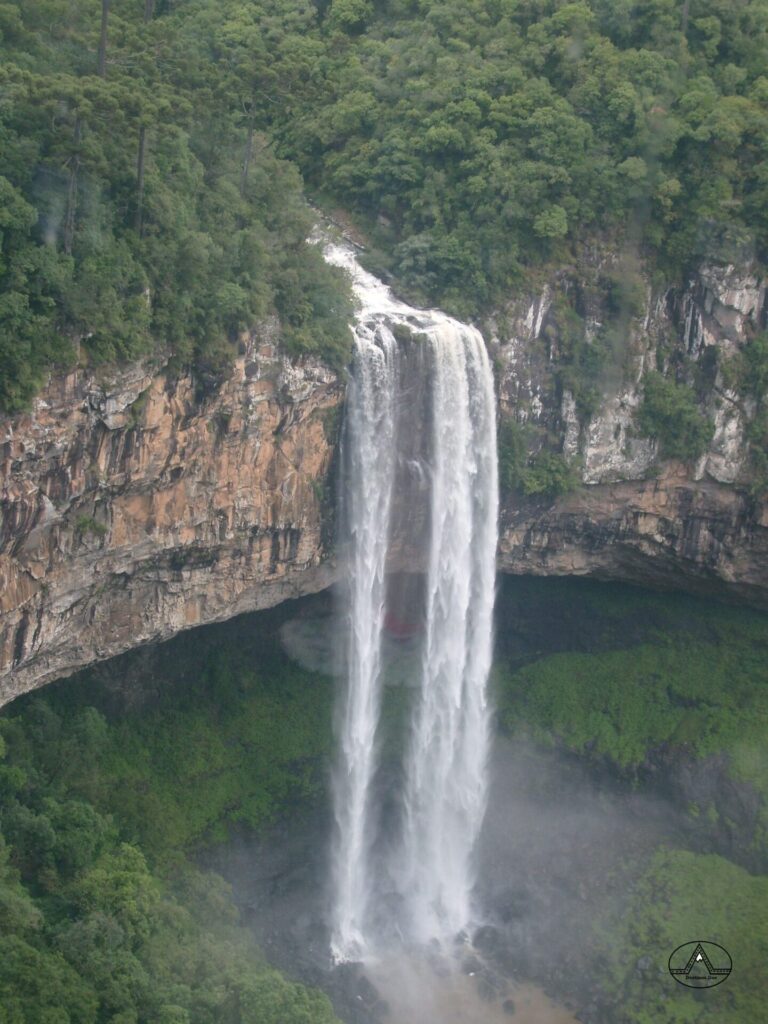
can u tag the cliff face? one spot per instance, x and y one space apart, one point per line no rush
635 517
669 531
703 325
132 509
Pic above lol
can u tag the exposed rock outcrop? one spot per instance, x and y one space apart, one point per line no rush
702 325
634 518
133 509
133 506
668 532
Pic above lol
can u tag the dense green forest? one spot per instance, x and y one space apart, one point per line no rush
150 154
486 135
111 781
103 918
142 205
649 671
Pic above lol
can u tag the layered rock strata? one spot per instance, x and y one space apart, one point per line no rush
133 507
701 526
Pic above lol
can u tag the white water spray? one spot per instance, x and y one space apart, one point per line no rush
370 455
445 780
446 769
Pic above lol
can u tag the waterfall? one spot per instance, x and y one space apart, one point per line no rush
369 456
446 765
444 771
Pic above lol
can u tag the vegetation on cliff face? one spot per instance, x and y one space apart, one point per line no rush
669 414
746 372
546 473
102 918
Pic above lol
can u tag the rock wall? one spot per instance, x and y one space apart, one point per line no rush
635 517
132 508
667 532
703 324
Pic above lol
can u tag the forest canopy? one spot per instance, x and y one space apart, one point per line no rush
486 135
141 204
152 153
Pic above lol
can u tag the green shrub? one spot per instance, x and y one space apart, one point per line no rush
548 474
755 357
747 373
757 438
87 524
513 455
670 415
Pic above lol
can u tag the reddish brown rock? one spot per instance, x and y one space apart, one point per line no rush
132 509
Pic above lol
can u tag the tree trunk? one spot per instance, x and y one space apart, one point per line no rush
71 211
149 10
102 62
684 19
140 162
247 159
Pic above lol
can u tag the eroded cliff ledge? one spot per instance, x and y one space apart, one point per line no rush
701 526
134 508
668 532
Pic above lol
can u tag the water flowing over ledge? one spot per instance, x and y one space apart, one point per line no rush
420 430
